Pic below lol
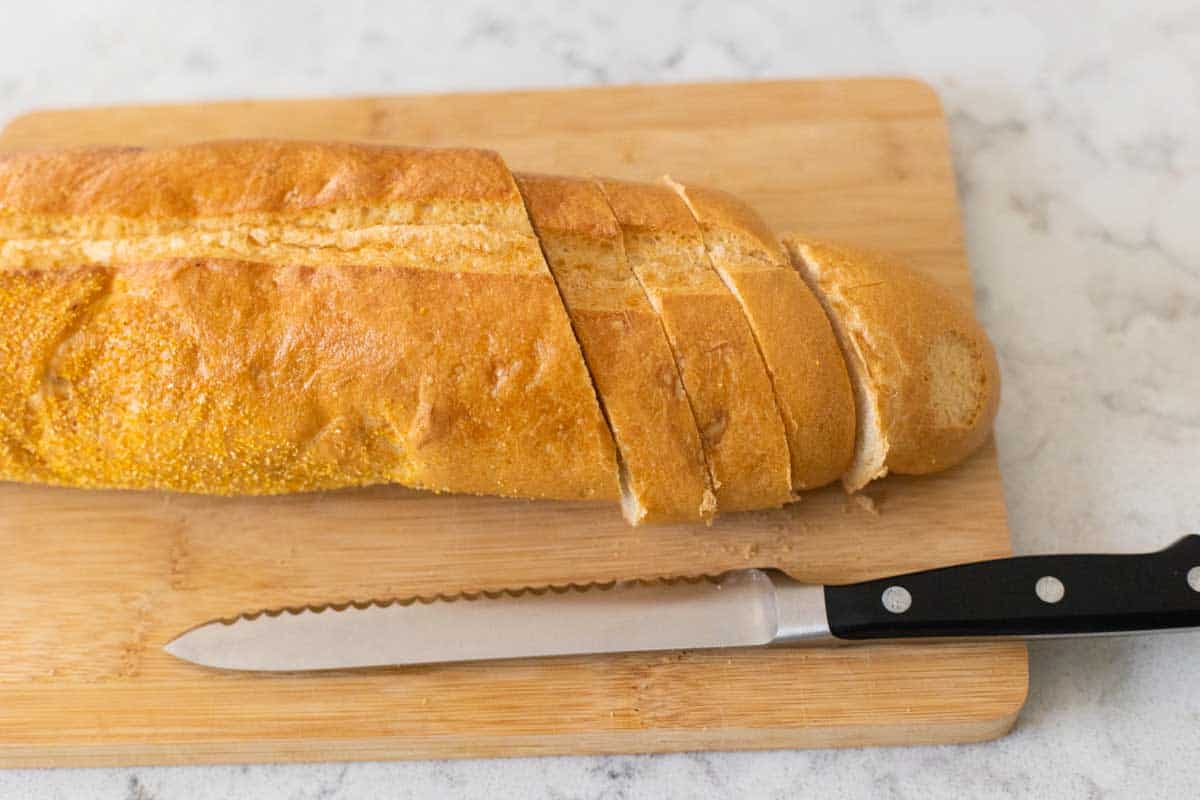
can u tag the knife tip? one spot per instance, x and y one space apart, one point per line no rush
177 647
186 648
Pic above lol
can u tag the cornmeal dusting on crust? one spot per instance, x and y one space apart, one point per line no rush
264 317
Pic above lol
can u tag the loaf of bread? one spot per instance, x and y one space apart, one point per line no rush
264 317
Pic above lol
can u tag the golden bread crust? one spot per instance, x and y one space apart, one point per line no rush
723 374
625 348
793 334
227 178
932 368
226 377
439 357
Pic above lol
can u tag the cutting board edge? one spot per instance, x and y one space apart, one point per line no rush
682 740
13 127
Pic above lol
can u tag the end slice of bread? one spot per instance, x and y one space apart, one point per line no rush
925 376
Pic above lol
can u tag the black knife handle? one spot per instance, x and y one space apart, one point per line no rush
1067 595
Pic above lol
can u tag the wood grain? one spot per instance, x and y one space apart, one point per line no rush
94 583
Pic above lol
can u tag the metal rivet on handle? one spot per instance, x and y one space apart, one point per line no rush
1194 578
1050 589
896 599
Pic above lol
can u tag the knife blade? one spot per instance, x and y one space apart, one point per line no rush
1025 596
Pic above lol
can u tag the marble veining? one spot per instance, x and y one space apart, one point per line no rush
1076 134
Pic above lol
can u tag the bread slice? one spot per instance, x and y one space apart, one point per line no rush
798 345
262 317
925 375
664 477
723 374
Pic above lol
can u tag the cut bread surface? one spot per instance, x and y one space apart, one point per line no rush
871 443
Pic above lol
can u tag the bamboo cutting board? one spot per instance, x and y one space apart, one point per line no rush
92 584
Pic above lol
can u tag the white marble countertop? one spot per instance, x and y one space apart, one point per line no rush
1076 130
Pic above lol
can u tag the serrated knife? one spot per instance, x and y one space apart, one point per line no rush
1026 596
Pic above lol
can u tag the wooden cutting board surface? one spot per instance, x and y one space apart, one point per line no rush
92 584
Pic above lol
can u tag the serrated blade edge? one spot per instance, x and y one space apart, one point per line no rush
736 609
